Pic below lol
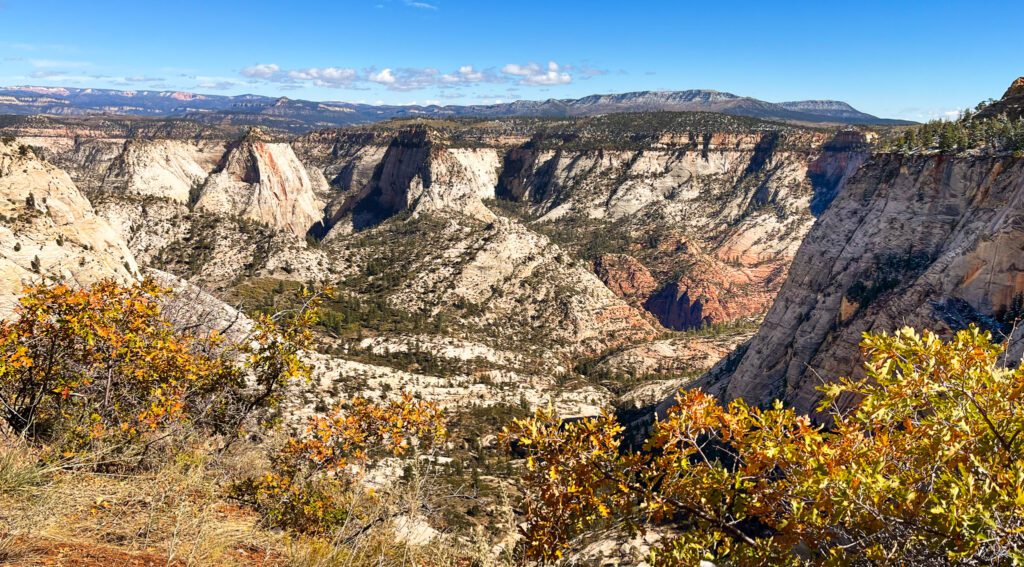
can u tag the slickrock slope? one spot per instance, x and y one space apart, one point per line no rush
250 178
378 174
562 249
626 276
499 282
48 230
212 250
528 289
928 241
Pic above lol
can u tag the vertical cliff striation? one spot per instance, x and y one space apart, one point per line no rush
264 182
715 217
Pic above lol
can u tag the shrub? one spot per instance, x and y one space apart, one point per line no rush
311 478
928 469
96 366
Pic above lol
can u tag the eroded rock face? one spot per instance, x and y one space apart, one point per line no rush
676 309
459 232
250 178
740 202
626 276
264 182
519 286
377 177
928 241
48 230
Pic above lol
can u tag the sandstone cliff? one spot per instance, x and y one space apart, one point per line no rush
522 253
928 241
172 169
1010 105
48 230
249 178
264 182
715 218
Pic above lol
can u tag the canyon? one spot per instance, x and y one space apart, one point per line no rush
925 239
496 266
525 257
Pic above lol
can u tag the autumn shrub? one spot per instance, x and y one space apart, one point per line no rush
83 370
927 469
310 485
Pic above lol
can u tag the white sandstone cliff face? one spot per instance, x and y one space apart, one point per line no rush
265 182
172 169
250 179
524 282
460 179
49 232
928 241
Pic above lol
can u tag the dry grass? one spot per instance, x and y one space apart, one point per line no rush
19 466
176 513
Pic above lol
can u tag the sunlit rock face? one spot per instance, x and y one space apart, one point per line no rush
49 231
927 241
264 182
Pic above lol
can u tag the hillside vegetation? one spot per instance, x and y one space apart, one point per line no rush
129 440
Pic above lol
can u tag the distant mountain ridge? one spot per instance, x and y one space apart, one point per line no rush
303 115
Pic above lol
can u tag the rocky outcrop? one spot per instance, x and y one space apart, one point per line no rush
264 182
460 179
675 309
740 202
1011 105
626 276
828 172
250 178
928 241
377 177
520 288
48 230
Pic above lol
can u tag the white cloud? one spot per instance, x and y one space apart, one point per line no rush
534 74
384 77
420 5
318 76
323 77
520 70
412 79
465 74
922 114
261 71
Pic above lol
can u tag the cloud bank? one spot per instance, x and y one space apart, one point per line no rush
411 79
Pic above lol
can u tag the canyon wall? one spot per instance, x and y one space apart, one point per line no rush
728 209
929 241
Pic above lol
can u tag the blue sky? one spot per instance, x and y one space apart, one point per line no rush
911 59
